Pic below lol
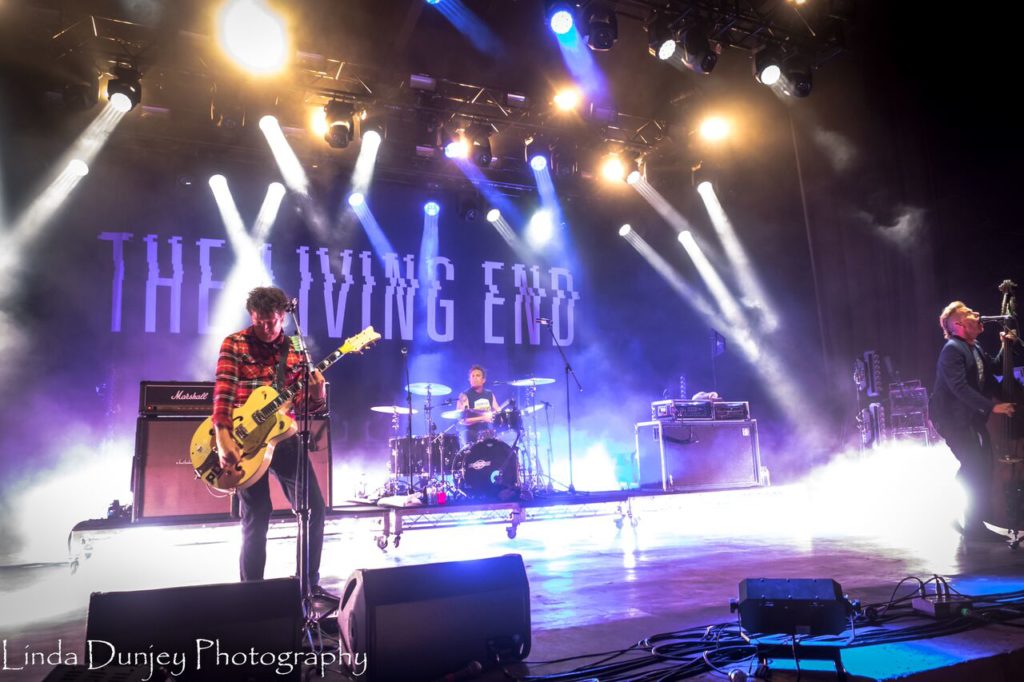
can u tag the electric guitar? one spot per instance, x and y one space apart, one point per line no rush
257 426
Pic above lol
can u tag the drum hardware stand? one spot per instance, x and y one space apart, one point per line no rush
568 413
408 403
311 624
392 487
551 482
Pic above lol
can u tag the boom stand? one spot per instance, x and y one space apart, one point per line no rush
302 467
568 414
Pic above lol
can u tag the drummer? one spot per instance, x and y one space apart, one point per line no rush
478 406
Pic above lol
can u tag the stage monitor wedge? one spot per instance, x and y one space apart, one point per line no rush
198 623
424 622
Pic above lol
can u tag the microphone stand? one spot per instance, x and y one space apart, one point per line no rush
568 413
408 440
301 494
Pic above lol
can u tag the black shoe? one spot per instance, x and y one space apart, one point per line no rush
324 600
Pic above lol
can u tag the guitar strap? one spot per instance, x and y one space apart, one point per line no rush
282 364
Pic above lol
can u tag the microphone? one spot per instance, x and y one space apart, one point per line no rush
995 318
498 382
546 321
292 306
405 351
473 669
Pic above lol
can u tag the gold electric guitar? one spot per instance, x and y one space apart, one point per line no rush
257 426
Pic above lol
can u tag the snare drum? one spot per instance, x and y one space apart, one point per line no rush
486 469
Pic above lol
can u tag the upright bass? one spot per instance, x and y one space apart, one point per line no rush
1007 433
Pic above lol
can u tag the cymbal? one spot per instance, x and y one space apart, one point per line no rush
532 408
452 414
392 409
422 387
535 381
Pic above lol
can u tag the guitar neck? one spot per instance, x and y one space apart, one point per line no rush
287 394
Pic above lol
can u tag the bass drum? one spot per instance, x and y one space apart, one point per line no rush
487 469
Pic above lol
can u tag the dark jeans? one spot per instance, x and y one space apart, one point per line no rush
255 507
974 451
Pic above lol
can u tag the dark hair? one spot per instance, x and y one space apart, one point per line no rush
266 301
478 367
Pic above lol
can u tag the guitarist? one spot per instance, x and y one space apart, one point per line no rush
960 405
249 359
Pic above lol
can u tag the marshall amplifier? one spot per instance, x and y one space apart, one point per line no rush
698 455
187 398
731 411
678 410
177 398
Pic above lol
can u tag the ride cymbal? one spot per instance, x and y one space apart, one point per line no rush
425 387
535 381
392 409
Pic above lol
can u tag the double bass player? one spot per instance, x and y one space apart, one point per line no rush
962 401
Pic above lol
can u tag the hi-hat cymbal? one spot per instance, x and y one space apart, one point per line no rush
533 408
452 414
392 409
424 387
535 381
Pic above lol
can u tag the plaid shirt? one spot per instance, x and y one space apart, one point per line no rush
246 363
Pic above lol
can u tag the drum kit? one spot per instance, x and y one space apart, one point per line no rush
500 463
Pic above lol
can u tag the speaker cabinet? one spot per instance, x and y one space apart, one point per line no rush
703 455
793 606
164 482
197 623
410 623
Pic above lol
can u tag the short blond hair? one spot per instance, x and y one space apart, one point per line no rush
948 316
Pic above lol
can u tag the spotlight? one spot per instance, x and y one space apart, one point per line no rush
254 36
339 123
699 55
600 25
493 216
431 208
479 137
218 181
356 199
767 66
541 228
567 99
374 125
78 168
538 153
613 168
456 149
560 16
714 128
433 2
661 40
124 90
704 186
633 177
796 76
625 229
371 137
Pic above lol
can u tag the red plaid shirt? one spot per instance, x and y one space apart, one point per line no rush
246 363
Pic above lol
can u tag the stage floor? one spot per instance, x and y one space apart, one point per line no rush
598 585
